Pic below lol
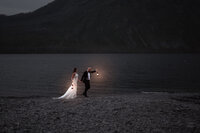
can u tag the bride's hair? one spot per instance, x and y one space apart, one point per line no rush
75 69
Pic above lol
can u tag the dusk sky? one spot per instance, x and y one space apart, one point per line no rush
10 7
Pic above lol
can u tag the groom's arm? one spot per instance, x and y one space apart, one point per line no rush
93 71
83 77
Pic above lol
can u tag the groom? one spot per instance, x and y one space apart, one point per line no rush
86 79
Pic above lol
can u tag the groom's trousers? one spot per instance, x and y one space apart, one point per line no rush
87 86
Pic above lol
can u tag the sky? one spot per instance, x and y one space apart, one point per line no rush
10 7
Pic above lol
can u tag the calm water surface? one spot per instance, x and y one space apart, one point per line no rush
49 74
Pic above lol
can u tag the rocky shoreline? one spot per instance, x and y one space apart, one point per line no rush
138 112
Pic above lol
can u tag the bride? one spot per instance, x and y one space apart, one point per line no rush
71 93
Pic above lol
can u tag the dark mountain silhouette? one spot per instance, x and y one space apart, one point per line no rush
104 26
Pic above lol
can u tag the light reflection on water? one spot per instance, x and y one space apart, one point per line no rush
49 74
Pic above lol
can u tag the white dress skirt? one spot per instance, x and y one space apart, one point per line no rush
71 93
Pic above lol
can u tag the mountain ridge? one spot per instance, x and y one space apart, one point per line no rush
89 26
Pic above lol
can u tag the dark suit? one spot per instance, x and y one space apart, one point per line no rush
86 81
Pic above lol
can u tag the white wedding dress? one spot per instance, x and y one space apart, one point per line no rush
71 93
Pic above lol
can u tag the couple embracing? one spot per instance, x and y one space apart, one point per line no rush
72 90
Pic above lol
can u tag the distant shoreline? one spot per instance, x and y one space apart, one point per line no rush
161 52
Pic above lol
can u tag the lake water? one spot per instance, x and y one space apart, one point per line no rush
49 74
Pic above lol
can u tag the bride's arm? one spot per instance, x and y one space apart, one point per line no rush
72 76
